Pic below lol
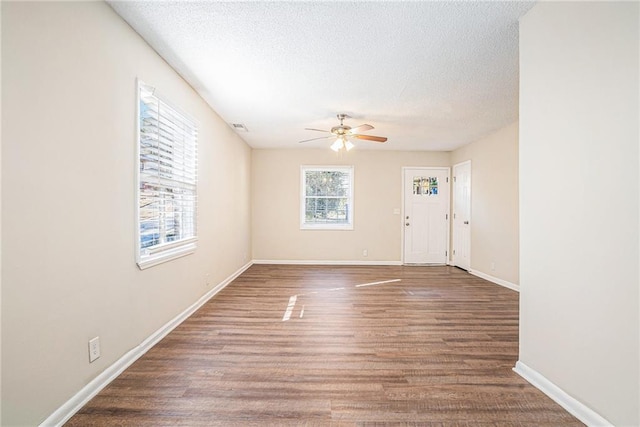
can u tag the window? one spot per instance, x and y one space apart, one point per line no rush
167 155
327 198
425 186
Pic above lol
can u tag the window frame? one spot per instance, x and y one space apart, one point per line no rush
167 251
304 225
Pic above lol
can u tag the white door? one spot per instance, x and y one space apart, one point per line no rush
462 215
426 215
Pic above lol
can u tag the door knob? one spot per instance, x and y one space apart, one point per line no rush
406 223
466 222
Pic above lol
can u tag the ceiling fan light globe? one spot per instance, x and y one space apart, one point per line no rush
337 145
348 145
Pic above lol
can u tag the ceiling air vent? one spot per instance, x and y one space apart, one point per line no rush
239 127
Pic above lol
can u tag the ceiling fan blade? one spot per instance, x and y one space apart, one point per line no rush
370 138
314 139
319 130
361 128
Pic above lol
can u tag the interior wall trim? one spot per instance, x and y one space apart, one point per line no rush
323 262
562 398
495 280
76 402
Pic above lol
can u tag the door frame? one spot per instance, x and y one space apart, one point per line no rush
447 169
453 260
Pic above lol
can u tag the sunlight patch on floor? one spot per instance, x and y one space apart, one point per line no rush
292 300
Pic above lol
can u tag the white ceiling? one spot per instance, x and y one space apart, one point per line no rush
427 75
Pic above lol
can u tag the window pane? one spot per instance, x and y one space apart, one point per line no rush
425 186
327 183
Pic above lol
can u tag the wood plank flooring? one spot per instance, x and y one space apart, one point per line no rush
430 346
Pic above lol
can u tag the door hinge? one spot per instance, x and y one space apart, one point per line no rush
446 216
447 179
454 251
454 179
446 253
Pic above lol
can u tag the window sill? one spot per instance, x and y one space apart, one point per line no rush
165 256
337 227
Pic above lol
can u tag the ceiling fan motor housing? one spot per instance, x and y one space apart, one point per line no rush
340 130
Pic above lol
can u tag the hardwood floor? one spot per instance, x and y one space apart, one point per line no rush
327 345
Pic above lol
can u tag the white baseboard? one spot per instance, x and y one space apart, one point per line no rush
323 262
495 280
73 405
573 406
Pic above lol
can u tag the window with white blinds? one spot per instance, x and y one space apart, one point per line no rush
326 201
167 184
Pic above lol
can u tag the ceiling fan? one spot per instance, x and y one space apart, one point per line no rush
343 132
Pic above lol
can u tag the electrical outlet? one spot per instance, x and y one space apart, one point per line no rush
365 253
94 349
207 280
493 266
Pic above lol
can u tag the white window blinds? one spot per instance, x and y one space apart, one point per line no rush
167 202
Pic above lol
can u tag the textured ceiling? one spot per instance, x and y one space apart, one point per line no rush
427 75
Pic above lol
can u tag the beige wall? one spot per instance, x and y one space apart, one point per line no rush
0 225
68 146
579 280
378 191
494 203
